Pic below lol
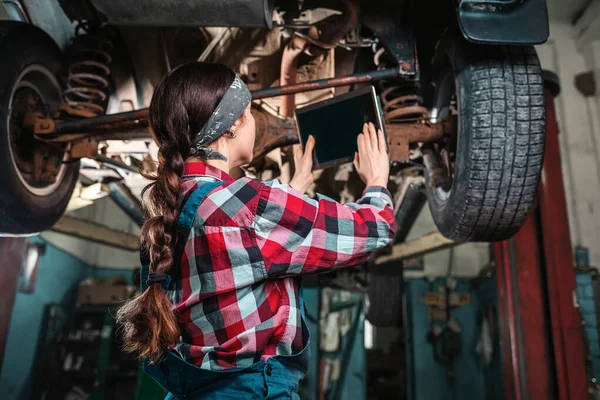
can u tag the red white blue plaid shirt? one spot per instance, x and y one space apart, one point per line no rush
238 297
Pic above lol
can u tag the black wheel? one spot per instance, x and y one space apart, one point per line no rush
494 160
36 180
384 298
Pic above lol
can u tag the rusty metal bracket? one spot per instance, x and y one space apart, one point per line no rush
273 132
84 149
38 123
401 135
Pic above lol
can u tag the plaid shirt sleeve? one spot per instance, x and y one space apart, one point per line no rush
300 235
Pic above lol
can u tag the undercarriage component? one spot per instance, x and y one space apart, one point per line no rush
89 72
395 36
289 68
400 136
367 77
327 33
272 132
139 117
240 13
439 174
400 106
86 148
409 202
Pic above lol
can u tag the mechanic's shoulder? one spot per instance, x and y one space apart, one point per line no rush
259 184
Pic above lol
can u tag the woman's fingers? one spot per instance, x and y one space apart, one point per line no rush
307 157
361 143
367 138
373 137
356 160
381 141
298 154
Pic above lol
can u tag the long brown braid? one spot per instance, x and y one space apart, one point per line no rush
182 103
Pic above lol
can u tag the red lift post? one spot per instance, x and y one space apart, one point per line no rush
12 250
541 330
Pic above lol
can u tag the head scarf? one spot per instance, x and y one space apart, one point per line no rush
230 108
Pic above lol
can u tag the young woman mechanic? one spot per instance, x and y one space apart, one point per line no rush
221 313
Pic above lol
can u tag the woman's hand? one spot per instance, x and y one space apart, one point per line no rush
303 160
372 161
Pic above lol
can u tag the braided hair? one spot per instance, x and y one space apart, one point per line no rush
181 104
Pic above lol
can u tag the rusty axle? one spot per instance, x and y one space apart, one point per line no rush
273 132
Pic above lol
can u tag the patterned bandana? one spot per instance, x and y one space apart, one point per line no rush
230 108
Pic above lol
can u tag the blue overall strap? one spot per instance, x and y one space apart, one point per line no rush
184 225
190 206
185 222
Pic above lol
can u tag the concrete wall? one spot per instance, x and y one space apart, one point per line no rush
579 125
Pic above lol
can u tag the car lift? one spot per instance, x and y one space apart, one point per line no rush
542 337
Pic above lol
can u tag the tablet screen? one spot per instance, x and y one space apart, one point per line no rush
335 124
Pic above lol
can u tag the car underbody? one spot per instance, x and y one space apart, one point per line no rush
462 99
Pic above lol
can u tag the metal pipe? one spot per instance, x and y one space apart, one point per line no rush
365 77
224 35
85 125
412 200
328 32
111 161
289 69
438 174
126 201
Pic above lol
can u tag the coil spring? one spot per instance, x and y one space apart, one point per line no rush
401 104
88 86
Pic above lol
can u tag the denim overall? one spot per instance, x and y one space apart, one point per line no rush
275 378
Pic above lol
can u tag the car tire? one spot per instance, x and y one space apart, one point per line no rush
29 81
384 299
499 143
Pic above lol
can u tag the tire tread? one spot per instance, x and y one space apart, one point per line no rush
507 144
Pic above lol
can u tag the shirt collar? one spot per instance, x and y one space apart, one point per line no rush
198 168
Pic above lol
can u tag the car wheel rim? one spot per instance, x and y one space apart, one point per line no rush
36 90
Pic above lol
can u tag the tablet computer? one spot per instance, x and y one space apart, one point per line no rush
335 123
